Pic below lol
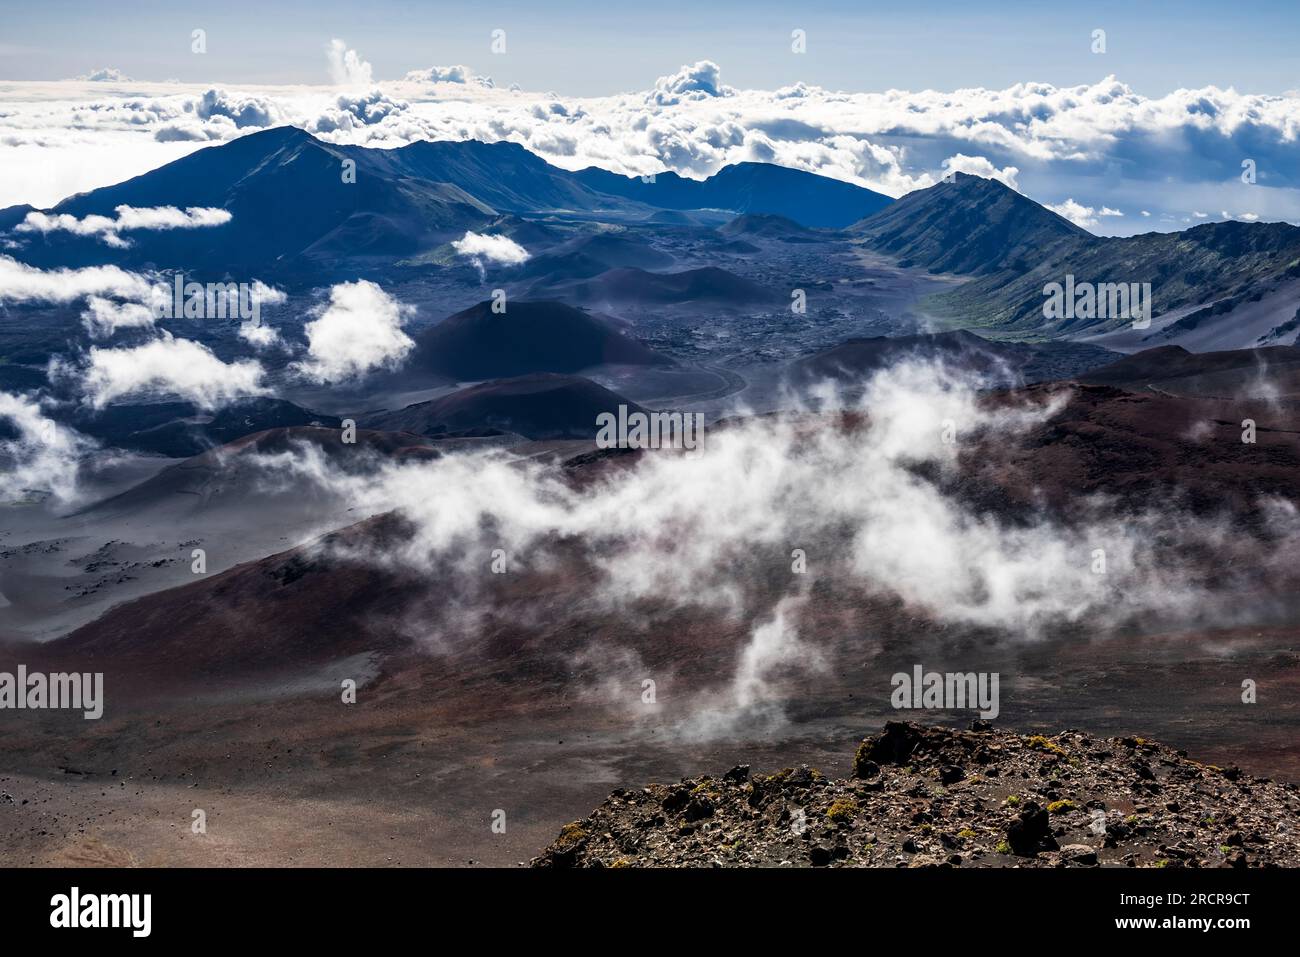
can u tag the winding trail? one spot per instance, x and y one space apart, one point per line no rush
731 384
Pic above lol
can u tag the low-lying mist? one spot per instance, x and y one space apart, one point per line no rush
854 495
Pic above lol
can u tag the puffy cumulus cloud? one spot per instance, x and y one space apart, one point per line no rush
165 113
448 74
115 299
259 336
358 331
169 366
242 110
104 317
169 217
796 91
108 229
840 157
136 113
102 226
107 74
441 74
980 166
215 114
482 249
700 80
254 331
346 66
673 141
37 453
1076 213
350 112
1083 216
22 283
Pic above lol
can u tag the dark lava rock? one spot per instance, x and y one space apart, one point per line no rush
950 774
1031 832
951 797
677 799
800 778
699 808
893 745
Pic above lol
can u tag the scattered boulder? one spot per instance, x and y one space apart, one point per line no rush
1079 854
894 745
737 775
1031 832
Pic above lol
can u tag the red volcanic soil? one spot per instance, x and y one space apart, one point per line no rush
854 360
1168 362
294 610
541 406
231 469
1145 449
1174 370
520 693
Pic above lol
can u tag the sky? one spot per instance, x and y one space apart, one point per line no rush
1187 113
595 49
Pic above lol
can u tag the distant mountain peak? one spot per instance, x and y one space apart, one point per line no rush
809 199
281 134
968 225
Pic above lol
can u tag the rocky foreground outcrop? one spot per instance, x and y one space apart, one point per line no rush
936 797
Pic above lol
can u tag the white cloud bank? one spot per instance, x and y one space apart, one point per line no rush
117 299
106 74
1099 144
170 366
698 81
458 73
108 229
28 284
